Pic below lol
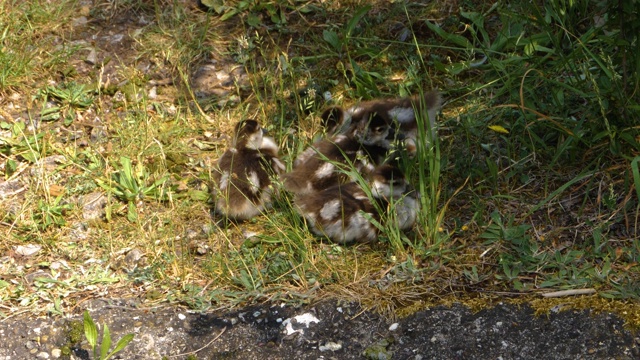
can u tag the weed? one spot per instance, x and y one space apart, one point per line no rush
91 334
134 184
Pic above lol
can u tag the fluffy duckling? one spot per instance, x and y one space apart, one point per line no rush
402 112
326 163
338 212
243 175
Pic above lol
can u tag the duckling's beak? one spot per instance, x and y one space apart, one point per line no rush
264 131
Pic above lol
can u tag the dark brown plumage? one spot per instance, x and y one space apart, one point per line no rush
341 212
243 186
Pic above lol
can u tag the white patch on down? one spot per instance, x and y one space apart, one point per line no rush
278 166
380 190
355 110
241 210
356 227
330 209
304 319
304 156
406 212
360 228
255 140
325 170
254 181
269 143
224 180
402 114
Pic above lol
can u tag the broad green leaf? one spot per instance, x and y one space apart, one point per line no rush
124 341
106 343
331 37
90 330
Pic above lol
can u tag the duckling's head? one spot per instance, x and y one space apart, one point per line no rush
371 128
248 134
333 119
388 181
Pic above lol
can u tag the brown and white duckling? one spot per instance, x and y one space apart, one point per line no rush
243 186
327 162
342 212
402 112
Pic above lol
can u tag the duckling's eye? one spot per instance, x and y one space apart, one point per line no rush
379 129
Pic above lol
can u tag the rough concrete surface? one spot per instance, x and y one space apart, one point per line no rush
327 330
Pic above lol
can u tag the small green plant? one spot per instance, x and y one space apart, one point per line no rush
132 184
51 213
91 333
68 96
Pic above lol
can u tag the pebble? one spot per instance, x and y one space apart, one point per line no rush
93 205
42 355
56 353
330 346
92 58
394 327
27 250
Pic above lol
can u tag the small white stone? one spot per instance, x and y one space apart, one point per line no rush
42 355
181 317
56 353
27 250
330 345
394 327
153 93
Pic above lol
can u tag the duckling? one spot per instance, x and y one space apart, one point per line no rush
325 163
243 175
332 119
401 112
338 212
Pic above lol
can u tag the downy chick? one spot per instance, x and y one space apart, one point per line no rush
339 211
243 175
325 163
401 113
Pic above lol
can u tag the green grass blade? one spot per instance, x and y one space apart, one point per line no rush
456 39
355 19
636 175
559 190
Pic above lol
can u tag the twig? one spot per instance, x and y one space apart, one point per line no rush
569 293
195 351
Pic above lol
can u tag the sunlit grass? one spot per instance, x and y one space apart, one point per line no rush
531 184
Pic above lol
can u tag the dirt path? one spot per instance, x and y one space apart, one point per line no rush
334 331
